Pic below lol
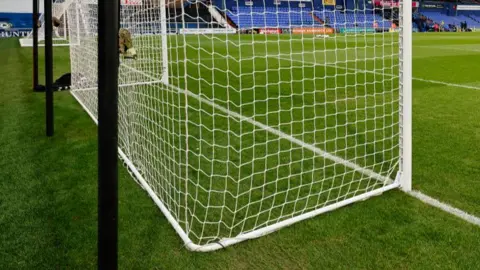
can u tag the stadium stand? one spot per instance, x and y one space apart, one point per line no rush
469 2
473 15
438 17
195 15
260 17
368 15
363 19
270 15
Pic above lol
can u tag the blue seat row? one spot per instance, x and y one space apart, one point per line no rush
258 17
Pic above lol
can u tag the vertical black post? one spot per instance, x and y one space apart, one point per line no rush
35 43
108 61
48 66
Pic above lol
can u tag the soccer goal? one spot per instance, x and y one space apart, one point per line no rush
60 26
239 120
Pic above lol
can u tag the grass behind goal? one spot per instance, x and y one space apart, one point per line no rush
264 117
49 202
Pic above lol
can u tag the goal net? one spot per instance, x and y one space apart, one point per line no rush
60 26
240 120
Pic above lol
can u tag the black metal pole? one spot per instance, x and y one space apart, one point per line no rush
108 60
48 66
35 43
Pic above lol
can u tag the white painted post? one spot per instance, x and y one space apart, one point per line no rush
163 26
406 95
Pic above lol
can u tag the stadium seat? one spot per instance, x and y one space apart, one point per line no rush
260 17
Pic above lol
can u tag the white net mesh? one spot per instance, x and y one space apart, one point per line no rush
235 133
60 28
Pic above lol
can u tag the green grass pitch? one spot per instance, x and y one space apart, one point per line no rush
49 190
270 125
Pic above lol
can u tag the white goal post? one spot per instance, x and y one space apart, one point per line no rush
237 131
60 32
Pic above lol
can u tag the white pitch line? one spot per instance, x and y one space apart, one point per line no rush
449 84
447 48
445 207
353 69
416 194
279 133
386 74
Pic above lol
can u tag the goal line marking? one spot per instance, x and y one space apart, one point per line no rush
448 84
385 74
447 48
353 69
279 133
445 207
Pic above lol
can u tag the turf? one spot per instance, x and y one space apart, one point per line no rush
48 192
240 176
